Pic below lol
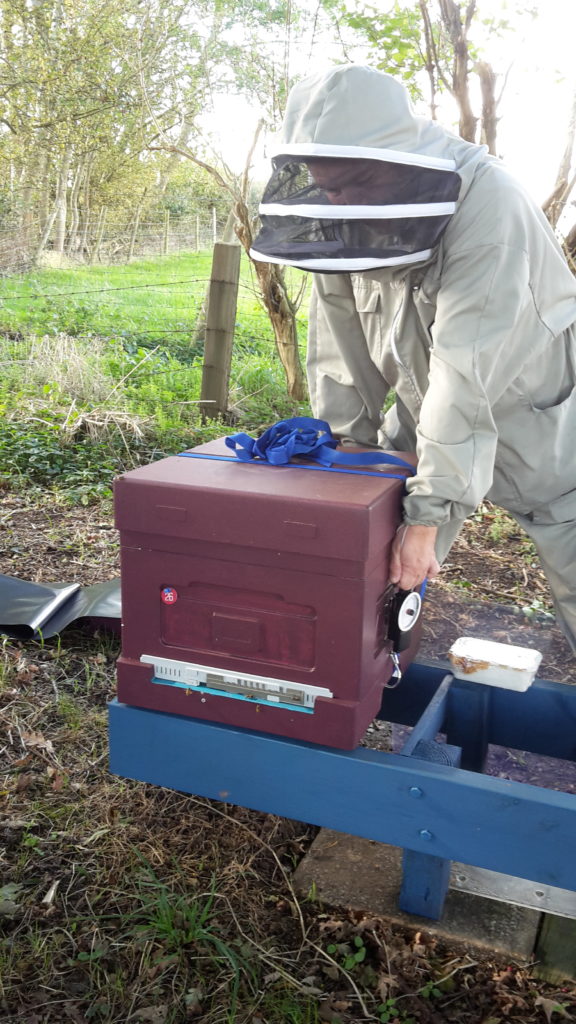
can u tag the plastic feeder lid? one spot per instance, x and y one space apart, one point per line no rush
494 664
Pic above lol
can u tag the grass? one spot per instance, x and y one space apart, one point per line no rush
102 370
145 302
123 902
121 898
153 301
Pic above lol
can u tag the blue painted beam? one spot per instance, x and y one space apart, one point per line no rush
425 882
432 718
541 720
468 723
493 823
425 878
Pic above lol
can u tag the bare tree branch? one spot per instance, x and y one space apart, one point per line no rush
200 163
565 182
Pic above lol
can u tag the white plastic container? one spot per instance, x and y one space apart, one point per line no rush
484 661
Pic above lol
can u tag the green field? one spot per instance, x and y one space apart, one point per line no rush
155 301
102 369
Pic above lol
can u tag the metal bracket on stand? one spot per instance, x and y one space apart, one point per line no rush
436 811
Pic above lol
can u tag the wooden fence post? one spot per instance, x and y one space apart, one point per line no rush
220 322
166 233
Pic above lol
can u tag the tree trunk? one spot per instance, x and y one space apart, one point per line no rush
283 319
431 56
61 202
556 201
280 309
173 160
73 242
99 234
570 247
489 123
86 208
47 231
450 14
44 188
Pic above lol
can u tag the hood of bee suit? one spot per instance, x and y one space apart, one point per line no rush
359 181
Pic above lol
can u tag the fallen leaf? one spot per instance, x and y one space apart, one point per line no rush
24 781
311 990
550 1006
36 739
331 971
193 1001
8 894
49 897
97 835
22 761
152 1014
73 1013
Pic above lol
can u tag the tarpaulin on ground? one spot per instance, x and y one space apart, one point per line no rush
30 610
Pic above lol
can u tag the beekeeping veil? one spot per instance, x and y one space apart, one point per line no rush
358 181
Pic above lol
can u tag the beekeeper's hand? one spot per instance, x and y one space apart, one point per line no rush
413 558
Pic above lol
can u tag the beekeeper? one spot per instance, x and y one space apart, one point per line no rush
438 278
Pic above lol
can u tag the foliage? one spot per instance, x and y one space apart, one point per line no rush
391 1013
436 46
189 189
394 37
351 954
145 302
121 384
87 87
38 456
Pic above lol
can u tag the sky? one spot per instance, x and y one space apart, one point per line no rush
536 103
538 57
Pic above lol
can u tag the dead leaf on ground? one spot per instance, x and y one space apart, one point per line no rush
550 1006
8 894
48 899
24 781
36 739
193 1001
152 1014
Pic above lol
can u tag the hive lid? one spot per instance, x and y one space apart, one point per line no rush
289 508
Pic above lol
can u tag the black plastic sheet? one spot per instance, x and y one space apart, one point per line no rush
29 610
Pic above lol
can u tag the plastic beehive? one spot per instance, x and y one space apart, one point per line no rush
257 596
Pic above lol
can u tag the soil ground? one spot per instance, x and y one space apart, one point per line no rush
79 849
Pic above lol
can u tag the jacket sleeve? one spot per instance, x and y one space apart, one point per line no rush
483 333
346 388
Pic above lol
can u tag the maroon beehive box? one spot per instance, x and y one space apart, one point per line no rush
257 596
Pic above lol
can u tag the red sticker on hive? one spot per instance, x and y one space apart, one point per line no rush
169 595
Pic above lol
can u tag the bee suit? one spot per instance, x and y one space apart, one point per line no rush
441 280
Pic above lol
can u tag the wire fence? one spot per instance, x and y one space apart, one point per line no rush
128 297
156 301
108 237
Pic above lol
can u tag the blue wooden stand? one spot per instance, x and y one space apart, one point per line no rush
419 799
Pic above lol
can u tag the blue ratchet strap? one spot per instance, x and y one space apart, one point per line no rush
309 438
